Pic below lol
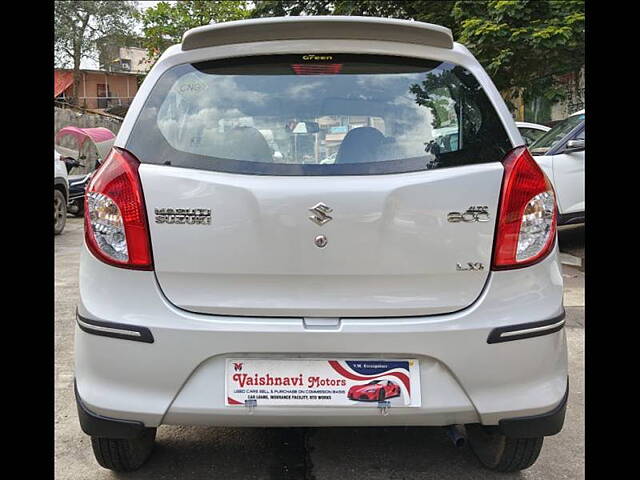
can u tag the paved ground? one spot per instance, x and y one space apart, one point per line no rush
305 454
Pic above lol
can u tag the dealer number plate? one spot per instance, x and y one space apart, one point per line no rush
315 382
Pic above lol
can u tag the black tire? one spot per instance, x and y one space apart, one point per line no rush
124 455
59 212
501 453
76 208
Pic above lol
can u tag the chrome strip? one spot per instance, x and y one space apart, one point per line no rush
89 326
531 330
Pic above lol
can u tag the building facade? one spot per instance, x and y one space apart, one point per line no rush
114 58
542 110
98 90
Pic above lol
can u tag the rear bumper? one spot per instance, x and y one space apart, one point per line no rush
105 427
541 425
179 377
545 424
574 218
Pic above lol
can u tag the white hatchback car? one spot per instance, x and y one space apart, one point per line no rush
409 282
560 153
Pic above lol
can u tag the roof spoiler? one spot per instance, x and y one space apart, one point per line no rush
317 28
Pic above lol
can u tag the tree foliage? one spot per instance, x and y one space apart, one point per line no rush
371 8
521 43
78 25
165 23
424 10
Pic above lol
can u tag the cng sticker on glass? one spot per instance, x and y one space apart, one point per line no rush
322 383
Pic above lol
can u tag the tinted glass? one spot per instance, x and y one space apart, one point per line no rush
557 133
318 115
530 135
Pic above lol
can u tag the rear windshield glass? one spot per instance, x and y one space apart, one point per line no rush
318 115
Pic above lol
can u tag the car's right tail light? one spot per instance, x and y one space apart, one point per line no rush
116 229
527 215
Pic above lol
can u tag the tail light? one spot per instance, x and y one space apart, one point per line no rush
527 216
116 229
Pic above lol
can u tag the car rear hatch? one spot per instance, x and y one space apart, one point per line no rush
332 186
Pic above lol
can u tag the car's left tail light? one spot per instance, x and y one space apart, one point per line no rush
526 224
116 228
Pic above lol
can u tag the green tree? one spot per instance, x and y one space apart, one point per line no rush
282 8
165 23
78 25
425 10
523 44
278 8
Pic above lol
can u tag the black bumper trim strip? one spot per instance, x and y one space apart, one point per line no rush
529 330
114 330
105 427
542 425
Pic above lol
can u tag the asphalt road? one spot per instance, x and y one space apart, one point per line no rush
309 454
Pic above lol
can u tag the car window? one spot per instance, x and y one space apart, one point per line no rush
547 141
283 115
530 135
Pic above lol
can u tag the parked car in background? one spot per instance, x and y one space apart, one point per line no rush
531 131
69 144
560 153
215 276
77 185
60 193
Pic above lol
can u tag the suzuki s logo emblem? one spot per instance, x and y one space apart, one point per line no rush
320 214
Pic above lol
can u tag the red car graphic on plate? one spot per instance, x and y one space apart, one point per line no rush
376 390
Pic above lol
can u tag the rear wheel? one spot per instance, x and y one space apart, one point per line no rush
124 455
501 453
59 212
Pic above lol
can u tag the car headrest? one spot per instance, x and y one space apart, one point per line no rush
361 144
247 143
